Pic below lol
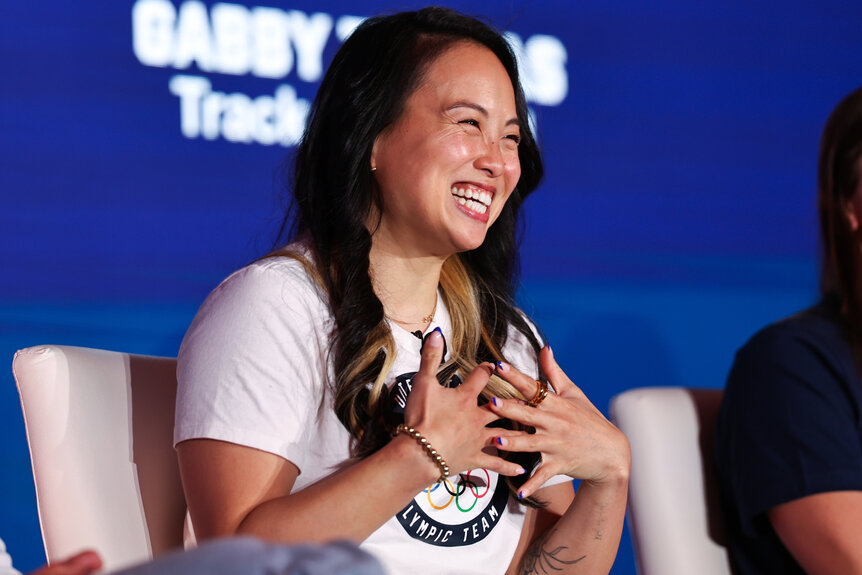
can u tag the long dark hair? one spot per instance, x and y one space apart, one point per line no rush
363 92
838 180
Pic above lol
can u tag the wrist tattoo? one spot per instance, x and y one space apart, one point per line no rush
541 558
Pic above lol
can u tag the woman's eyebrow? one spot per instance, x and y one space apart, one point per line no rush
479 108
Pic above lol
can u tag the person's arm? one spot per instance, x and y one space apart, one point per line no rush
232 489
574 439
585 539
822 531
556 499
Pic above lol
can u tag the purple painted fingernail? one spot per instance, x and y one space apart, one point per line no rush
435 338
499 441
521 471
499 366
520 495
496 403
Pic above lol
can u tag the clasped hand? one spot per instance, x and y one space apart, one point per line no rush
572 436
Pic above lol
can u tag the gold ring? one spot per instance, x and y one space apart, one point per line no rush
541 394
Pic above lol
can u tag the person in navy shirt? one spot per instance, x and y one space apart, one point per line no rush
789 434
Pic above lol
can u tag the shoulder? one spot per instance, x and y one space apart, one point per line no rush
802 367
806 344
273 289
275 278
815 326
270 305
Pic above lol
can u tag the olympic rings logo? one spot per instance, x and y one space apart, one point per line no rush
459 491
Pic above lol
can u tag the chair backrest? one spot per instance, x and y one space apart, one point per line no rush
100 429
674 509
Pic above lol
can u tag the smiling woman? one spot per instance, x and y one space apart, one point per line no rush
372 379
463 124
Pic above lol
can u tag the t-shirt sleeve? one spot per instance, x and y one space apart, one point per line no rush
790 423
251 369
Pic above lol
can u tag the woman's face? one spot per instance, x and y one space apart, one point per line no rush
448 164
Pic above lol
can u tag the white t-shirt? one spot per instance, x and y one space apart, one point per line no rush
254 370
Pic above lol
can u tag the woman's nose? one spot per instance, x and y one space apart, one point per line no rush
490 160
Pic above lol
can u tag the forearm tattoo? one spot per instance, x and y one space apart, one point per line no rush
541 558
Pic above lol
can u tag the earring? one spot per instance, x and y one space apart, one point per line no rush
374 168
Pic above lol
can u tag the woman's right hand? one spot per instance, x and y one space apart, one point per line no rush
451 419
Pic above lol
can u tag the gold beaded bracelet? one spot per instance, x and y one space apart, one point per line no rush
432 453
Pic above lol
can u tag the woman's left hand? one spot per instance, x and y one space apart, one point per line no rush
572 436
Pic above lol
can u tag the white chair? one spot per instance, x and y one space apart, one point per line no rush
674 512
100 426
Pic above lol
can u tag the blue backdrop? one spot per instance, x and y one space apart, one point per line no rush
142 141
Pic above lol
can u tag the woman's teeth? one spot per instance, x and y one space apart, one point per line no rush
477 200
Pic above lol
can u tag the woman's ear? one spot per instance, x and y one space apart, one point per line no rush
853 210
374 154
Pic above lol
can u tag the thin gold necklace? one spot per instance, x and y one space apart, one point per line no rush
426 319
